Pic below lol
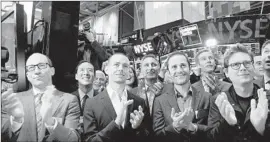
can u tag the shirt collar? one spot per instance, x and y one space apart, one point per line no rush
111 92
190 92
90 94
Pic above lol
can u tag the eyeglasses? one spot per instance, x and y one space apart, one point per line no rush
40 66
236 66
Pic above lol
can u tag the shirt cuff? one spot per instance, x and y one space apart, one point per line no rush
15 126
51 127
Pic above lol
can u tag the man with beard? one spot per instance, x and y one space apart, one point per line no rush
265 81
240 113
99 81
115 115
180 113
209 83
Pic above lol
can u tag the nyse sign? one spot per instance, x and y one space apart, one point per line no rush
143 48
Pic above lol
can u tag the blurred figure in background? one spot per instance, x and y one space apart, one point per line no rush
205 60
259 71
99 81
132 81
196 75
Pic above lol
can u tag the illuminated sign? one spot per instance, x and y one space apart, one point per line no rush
143 48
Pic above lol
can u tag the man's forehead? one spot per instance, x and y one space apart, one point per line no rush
36 59
235 57
267 47
86 64
257 58
177 59
206 53
149 60
119 58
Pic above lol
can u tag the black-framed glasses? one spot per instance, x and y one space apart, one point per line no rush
236 66
40 66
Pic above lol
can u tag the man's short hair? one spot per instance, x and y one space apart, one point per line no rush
235 49
149 56
109 60
265 43
177 53
199 53
83 61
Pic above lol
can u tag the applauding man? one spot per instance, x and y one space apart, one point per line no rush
180 113
206 61
42 113
115 115
240 113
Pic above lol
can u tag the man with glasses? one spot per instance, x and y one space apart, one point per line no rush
42 113
180 113
240 113
205 60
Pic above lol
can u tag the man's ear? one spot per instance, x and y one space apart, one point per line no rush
52 70
106 69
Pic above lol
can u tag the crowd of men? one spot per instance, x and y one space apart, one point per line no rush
105 109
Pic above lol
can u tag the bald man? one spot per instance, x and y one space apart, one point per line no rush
42 113
99 81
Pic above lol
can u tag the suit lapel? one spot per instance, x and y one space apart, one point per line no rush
171 97
129 109
56 101
196 98
29 127
108 104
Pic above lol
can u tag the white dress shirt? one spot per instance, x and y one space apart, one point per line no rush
150 96
116 101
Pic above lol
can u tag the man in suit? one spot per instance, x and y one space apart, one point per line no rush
85 74
241 112
180 113
42 113
115 115
205 60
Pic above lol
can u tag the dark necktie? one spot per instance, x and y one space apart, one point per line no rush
83 102
146 99
40 127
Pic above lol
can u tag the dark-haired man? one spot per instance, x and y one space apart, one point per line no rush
180 113
240 112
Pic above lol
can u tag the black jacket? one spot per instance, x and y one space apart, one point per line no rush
221 131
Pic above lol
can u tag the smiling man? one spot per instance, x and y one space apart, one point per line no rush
99 81
180 113
240 113
42 113
205 60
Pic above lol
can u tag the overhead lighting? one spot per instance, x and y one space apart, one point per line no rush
211 42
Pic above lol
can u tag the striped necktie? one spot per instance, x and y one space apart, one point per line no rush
40 125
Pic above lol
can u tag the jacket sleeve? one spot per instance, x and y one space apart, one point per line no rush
69 130
92 133
100 51
159 127
219 129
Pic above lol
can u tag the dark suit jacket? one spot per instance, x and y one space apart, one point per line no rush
76 93
221 131
65 110
99 120
220 86
162 121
